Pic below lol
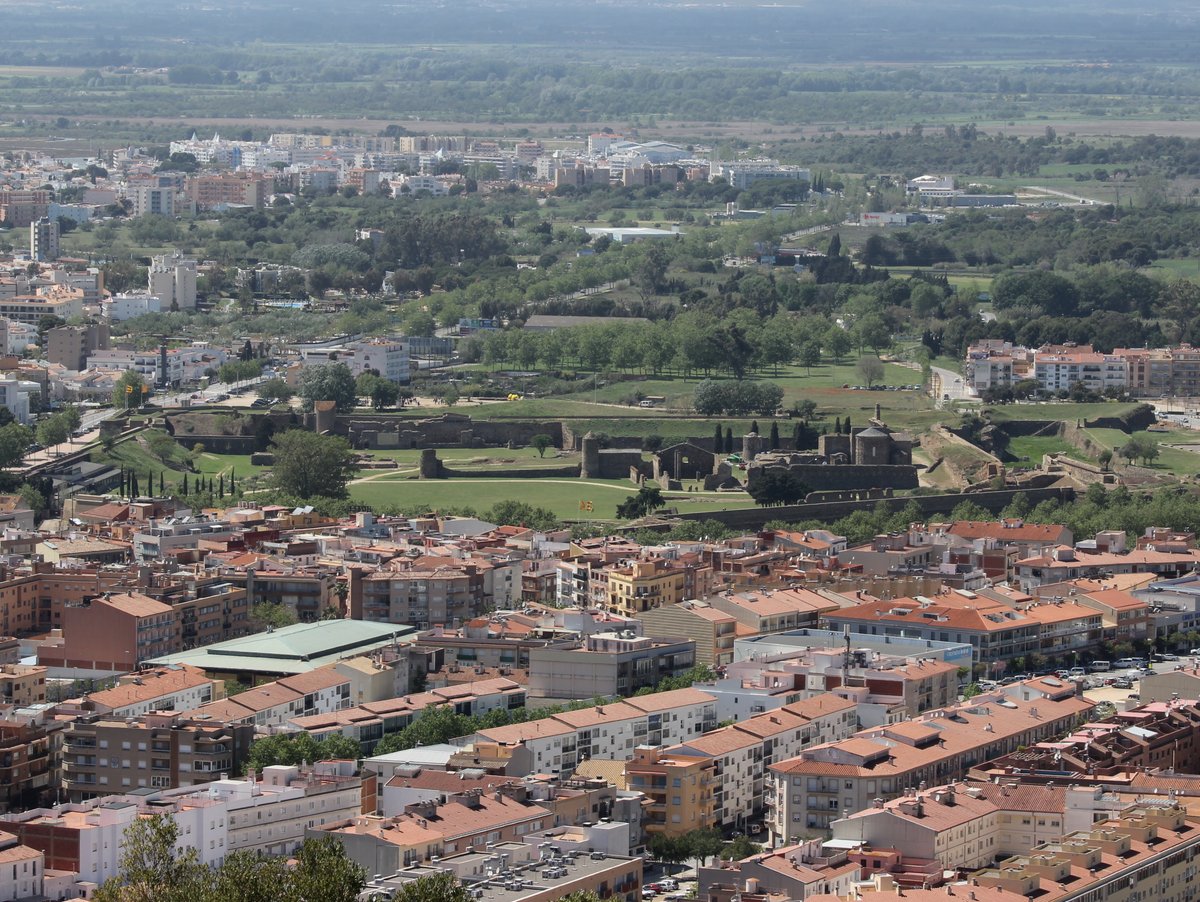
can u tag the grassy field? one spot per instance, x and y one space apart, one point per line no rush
1055 410
1029 449
1186 268
1170 460
561 496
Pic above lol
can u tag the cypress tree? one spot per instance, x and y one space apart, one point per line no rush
133 485
231 472
162 484
796 437
837 426
718 439
754 426
183 489
221 486
728 440
847 425
774 436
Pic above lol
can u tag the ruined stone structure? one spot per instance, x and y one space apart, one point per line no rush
450 430
871 457
324 416
684 461
608 463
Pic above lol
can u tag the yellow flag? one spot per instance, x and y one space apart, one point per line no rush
585 506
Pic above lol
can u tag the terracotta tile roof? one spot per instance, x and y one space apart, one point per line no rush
135 604
154 684
675 698
314 680
1012 530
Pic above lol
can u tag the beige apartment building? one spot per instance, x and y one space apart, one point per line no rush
826 782
155 751
680 790
22 684
712 630
643 585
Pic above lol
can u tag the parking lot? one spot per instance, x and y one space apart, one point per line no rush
1118 685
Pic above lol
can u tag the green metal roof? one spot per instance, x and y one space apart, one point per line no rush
294 649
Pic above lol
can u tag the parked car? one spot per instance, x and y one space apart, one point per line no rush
1122 683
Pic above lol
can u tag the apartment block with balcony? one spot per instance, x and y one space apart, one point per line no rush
155 751
639 586
679 790
826 782
424 594
114 633
29 755
22 684
607 664
556 744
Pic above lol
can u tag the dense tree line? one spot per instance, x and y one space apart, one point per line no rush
156 867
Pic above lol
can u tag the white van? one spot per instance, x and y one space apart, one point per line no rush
1099 666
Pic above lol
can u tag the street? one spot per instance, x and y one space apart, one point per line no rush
946 386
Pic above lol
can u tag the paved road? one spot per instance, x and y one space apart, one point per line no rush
946 382
1054 192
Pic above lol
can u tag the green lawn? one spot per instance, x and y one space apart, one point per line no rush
1170 460
1066 411
1029 449
1186 268
561 496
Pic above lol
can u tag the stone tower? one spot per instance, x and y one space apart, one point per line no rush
324 416
430 466
752 445
589 467
872 447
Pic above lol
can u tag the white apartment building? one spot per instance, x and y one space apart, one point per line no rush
173 279
22 870
270 815
267 815
157 200
742 174
1058 371
179 687
145 363
14 394
43 240
130 306
742 752
386 356
98 827
556 744
415 183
